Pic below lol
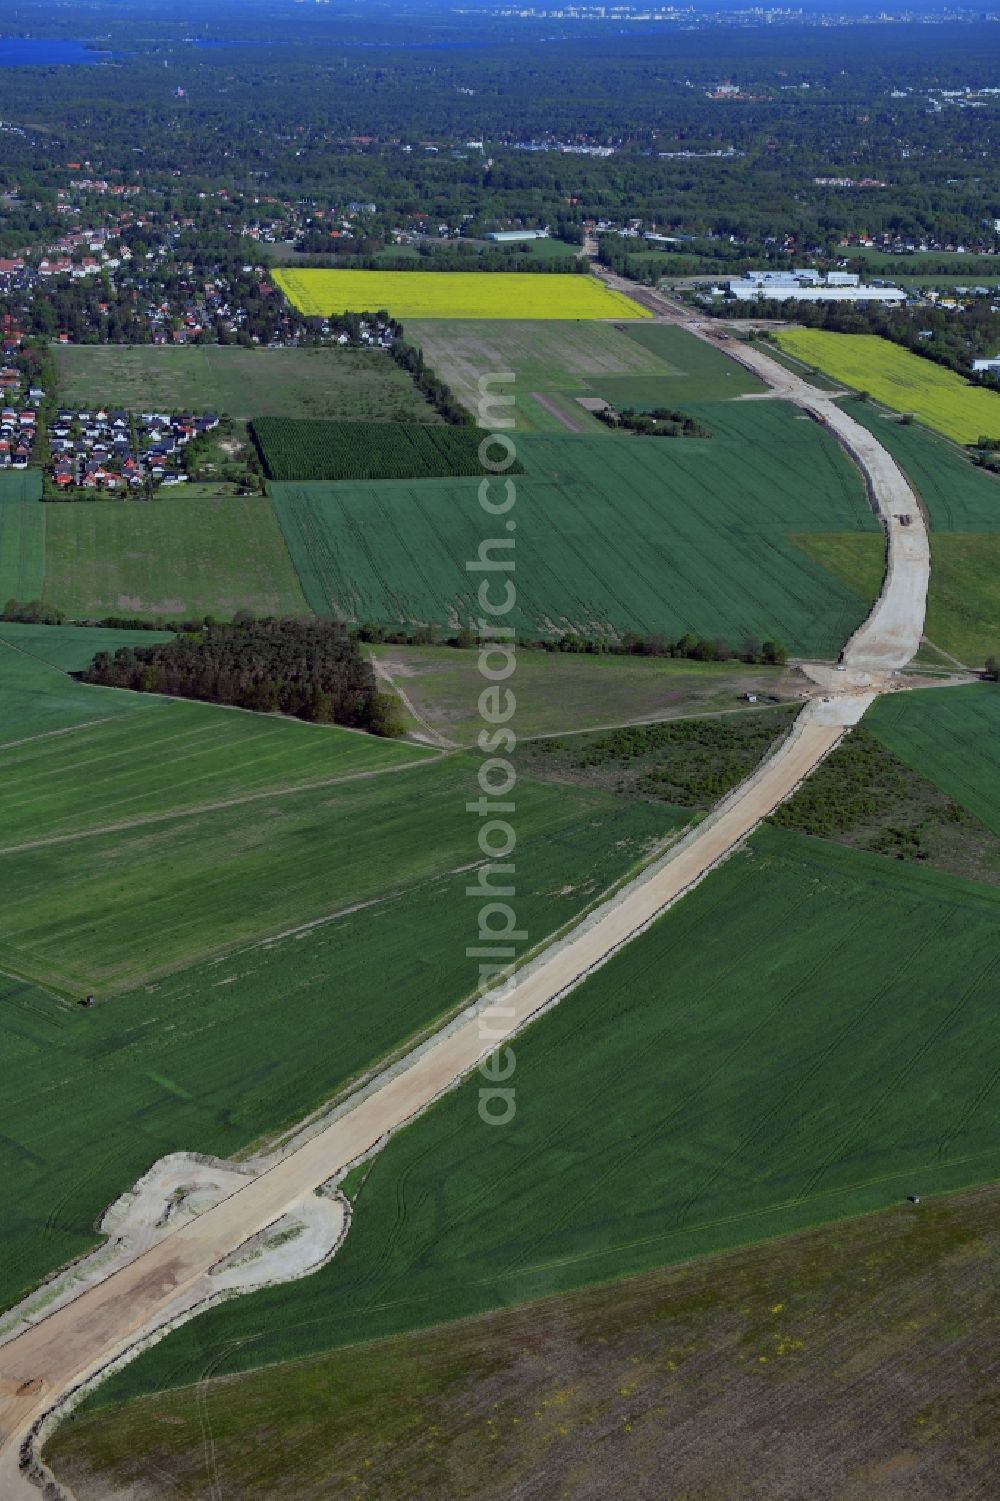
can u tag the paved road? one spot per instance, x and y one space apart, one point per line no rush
74 1343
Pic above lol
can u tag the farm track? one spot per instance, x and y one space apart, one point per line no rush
563 418
70 1348
383 671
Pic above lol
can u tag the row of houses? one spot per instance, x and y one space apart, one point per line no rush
120 450
17 437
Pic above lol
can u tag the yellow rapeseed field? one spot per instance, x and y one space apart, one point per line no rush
900 380
454 294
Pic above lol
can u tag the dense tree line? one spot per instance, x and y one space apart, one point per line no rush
310 669
32 612
409 358
660 422
628 644
448 255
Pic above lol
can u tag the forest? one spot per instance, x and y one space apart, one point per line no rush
313 670
478 120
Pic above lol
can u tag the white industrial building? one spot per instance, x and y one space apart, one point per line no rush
991 366
810 286
805 276
512 236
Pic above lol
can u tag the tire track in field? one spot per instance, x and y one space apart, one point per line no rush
199 808
69 729
907 1067
641 1140
818 1063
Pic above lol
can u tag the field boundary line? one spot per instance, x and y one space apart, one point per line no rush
232 802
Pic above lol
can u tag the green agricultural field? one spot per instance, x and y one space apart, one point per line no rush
186 756
73 647
552 363
856 558
20 484
285 254
951 736
708 374
174 558
36 693
215 1057
958 496
22 550
903 381
963 265
365 450
801 1040
963 603
963 606
103 911
513 1399
642 534
563 691
342 383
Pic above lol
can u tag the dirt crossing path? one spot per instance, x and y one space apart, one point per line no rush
47 1362
383 670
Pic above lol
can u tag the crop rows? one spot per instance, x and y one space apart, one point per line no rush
213 1056
610 536
22 549
304 450
641 1116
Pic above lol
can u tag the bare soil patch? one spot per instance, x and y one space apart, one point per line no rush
844 1364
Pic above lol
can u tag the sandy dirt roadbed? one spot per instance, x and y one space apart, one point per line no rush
51 1359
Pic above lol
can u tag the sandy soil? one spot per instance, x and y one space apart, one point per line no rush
169 1278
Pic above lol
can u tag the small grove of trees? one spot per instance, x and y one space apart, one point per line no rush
310 669
993 668
660 422
33 612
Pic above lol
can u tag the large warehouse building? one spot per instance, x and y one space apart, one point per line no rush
810 286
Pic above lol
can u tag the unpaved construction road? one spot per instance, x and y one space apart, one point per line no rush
40 1367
